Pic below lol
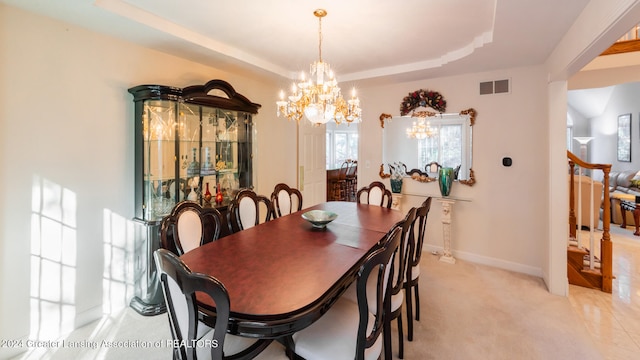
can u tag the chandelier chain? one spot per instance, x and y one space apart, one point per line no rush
320 38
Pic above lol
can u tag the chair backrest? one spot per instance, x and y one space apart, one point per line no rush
401 260
375 194
417 240
380 264
353 169
344 168
179 286
244 210
188 226
285 199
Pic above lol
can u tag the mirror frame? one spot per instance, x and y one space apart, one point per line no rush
422 176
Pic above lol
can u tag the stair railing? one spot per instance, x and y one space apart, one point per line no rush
605 257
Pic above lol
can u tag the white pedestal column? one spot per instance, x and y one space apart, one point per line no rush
447 208
396 200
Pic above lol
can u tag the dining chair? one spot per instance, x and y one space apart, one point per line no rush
244 210
339 184
188 226
285 199
351 330
376 194
413 265
192 339
393 308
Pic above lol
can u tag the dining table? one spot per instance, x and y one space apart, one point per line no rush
282 275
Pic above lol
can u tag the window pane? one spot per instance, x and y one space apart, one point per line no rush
341 150
451 136
444 148
353 146
328 151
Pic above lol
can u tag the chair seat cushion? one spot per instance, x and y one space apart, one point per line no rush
334 335
397 300
232 344
415 272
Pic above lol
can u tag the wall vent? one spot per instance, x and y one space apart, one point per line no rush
495 87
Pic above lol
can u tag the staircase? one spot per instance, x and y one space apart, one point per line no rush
589 266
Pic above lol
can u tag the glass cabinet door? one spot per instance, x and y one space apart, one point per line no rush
227 153
159 170
189 149
208 172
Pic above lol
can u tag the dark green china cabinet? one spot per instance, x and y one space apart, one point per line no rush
189 143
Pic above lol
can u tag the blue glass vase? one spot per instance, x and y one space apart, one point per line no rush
445 179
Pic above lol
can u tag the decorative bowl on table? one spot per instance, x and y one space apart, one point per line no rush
319 218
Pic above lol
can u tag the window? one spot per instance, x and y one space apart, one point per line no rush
444 148
342 144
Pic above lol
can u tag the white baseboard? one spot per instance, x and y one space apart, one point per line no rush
489 261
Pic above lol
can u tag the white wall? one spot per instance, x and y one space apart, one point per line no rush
66 117
623 100
503 224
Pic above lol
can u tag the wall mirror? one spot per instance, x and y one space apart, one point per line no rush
415 142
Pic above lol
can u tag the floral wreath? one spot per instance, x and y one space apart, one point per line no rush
424 98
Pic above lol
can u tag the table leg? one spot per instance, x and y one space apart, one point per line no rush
636 219
623 212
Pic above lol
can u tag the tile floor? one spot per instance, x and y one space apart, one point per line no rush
614 319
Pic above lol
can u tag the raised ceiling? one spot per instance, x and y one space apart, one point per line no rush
364 40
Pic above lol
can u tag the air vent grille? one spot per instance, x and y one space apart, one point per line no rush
495 87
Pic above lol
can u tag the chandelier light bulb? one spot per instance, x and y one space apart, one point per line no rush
421 129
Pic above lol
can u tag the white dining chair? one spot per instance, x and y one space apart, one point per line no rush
285 200
188 226
394 310
413 265
351 330
375 194
245 208
193 339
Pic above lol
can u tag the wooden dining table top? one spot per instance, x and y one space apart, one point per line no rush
284 274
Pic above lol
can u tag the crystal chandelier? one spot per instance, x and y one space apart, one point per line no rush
319 98
421 129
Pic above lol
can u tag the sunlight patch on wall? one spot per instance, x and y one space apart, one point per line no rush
117 279
53 259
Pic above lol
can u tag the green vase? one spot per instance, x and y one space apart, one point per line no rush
445 179
396 184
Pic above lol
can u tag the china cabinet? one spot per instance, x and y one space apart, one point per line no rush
192 144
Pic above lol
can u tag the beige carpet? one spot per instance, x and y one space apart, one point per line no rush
469 311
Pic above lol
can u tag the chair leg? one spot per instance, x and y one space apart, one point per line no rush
409 302
386 334
417 293
400 337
